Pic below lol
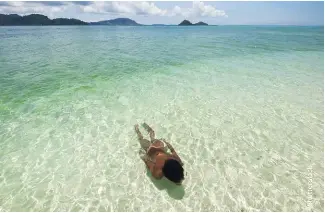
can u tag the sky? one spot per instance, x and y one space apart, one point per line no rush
220 13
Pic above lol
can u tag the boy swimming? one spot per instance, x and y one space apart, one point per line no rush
159 162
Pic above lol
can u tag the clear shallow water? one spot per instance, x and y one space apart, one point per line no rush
243 106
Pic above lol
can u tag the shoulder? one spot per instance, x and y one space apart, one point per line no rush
157 170
158 174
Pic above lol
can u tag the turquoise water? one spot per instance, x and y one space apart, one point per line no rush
243 106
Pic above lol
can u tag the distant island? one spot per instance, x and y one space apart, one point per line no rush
36 19
41 20
200 23
117 22
188 23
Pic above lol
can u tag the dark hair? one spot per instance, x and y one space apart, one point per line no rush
173 171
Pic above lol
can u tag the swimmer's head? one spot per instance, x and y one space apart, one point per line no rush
173 171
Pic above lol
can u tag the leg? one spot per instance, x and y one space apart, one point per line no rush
150 130
145 144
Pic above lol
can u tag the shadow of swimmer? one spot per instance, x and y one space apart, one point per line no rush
174 191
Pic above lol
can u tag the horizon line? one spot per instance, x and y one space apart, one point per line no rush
298 25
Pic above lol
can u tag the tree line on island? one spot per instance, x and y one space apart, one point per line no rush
41 20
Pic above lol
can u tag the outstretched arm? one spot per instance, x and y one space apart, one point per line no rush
150 131
174 153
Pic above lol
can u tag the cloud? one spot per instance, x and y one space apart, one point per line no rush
50 3
3 3
23 8
84 3
128 8
199 9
